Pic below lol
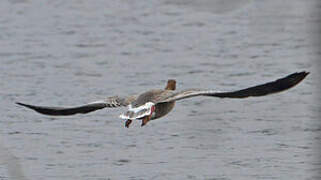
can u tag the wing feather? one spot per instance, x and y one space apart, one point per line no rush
259 90
110 102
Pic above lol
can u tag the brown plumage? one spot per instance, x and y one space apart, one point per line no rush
154 104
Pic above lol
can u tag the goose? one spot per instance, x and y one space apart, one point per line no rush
156 103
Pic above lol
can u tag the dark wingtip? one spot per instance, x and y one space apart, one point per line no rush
290 80
268 88
306 73
299 76
303 73
21 104
26 105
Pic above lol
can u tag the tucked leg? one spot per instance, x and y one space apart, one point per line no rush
127 123
145 120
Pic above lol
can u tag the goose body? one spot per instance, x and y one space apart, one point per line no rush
156 103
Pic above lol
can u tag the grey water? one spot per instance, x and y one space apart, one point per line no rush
74 52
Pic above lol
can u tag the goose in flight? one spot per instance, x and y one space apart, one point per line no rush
156 103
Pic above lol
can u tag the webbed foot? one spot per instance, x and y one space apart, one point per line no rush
128 122
145 120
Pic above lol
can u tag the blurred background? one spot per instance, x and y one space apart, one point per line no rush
73 52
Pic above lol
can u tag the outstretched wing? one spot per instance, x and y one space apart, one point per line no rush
110 102
259 90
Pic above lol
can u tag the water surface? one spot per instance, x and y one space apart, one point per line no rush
74 52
